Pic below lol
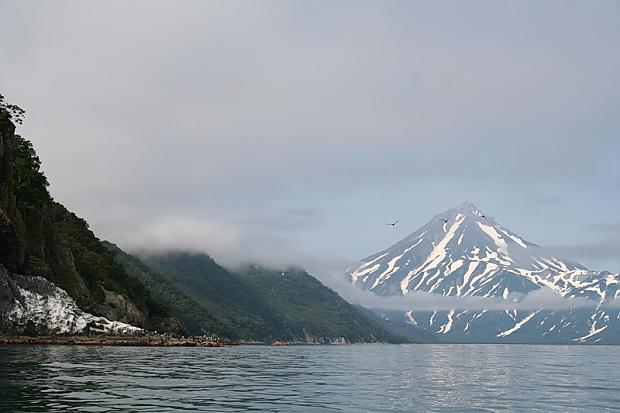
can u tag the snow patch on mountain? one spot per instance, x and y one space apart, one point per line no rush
518 325
472 255
476 264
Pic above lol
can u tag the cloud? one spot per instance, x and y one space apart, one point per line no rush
231 240
288 220
605 247
423 301
603 250
325 269
218 120
612 228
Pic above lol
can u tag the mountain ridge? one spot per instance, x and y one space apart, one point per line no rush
462 256
463 252
58 278
254 303
40 238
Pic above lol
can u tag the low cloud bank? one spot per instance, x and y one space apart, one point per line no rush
323 269
605 248
270 240
424 301
233 243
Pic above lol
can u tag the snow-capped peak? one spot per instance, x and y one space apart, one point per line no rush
465 252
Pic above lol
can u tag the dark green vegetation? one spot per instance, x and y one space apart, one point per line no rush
195 318
254 303
41 237
10 113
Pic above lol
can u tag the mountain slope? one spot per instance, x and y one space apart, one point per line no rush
399 326
305 306
259 304
465 253
472 255
41 238
196 319
57 277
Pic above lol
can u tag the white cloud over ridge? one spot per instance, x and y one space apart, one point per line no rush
543 298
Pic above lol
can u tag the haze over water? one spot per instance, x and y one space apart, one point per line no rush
374 378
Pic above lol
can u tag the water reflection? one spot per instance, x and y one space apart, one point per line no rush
349 378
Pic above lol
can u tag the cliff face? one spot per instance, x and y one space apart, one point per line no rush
29 243
56 277
8 229
41 238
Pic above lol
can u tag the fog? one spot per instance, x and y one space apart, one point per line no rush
286 132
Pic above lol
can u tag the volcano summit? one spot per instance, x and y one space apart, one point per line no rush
463 252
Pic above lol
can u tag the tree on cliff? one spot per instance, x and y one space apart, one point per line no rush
11 112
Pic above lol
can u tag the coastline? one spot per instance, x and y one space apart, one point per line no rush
127 341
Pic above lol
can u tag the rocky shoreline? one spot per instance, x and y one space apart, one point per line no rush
129 341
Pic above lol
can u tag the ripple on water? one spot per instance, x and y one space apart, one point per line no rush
315 378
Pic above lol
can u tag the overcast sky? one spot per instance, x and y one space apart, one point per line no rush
293 131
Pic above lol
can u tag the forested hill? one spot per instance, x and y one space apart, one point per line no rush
56 277
252 303
40 237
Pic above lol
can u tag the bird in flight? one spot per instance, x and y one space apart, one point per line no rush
393 224
444 220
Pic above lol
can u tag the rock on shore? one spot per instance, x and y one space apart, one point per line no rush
129 341
34 306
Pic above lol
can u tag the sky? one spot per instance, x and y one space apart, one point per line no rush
288 132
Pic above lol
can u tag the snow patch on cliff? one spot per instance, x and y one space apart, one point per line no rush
41 308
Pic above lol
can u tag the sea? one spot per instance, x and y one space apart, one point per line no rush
346 378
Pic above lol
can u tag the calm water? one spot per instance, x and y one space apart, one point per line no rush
311 379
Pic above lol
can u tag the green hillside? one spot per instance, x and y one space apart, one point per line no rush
39 236
254 304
